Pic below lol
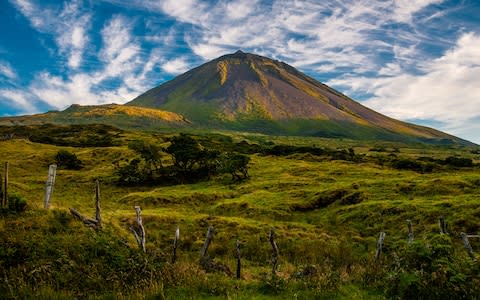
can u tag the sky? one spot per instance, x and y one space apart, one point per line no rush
414 60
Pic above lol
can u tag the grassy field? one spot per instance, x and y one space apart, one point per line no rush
327 214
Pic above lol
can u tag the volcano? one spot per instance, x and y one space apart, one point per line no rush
251 93
248 92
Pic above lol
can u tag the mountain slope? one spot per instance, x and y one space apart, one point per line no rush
111 114
249 92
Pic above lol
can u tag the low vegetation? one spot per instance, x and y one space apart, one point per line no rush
328 201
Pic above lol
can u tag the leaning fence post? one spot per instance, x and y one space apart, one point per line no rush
275 251
378 251
466 244
208 239
5 186
175 244
52 170
139 232
443 225
410 232
239 266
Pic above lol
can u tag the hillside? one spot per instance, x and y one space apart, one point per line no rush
248 92
327 200
127 117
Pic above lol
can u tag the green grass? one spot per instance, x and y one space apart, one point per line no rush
339 239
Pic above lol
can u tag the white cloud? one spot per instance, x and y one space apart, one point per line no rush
447 92
68 26
240 9
122 61
14 98
30 11
176 66
7 71
120 52
405 9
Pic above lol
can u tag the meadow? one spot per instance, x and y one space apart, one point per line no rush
327 208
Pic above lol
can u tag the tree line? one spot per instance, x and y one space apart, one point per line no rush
189 162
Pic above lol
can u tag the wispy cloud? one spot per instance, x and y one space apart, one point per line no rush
446 92
15 98
122 62
176 66
67 25
7 71
406 57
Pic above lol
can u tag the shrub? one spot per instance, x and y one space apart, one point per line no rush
413 165
431 272
459 162
130 174
17 203
68 160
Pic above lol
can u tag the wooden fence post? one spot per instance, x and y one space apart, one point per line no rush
52 170
410 232
1 190
5 186
443 225
97 222
378 251
139 233
468 247
239 266
98 215
175 244
275 251
208 239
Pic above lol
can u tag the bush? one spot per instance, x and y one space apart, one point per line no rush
459 162
17 203
413 165
130 174
432 272
67 160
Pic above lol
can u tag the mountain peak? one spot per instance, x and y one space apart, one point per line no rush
237 54
245 91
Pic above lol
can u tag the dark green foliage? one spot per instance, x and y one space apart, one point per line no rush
130 174
185 151
191 162
339 154
413 165
235 164
67 160
16 203
71 258
150 153
89 135
459 162
432 271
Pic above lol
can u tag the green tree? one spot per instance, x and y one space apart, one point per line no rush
235 164
185 151
149 153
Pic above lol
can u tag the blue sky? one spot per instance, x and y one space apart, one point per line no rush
414 60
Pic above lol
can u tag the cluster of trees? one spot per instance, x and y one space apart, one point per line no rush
190 162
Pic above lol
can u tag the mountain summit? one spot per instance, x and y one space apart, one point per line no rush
244 91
